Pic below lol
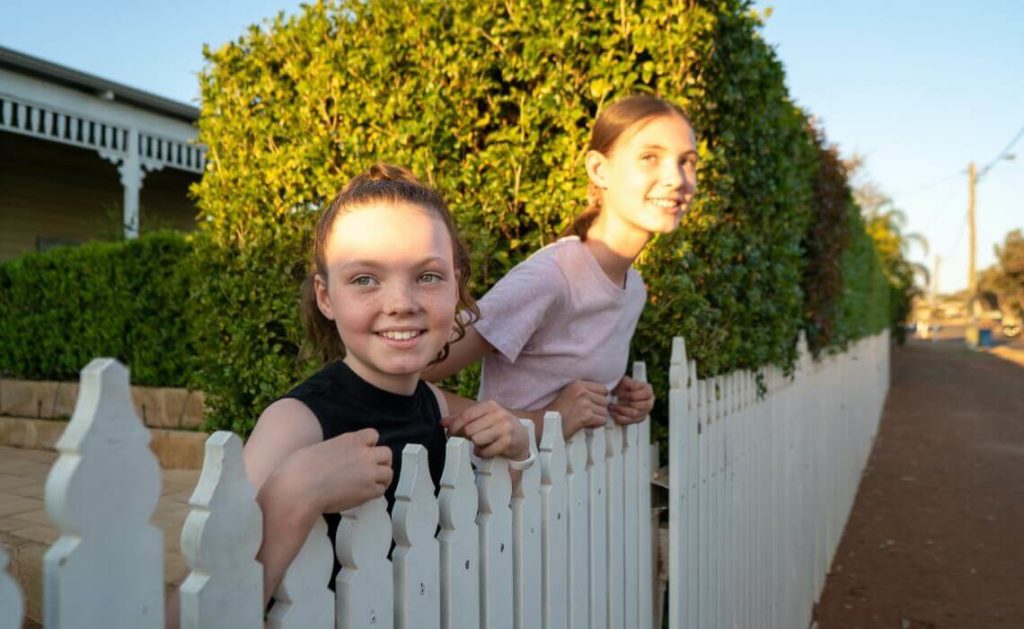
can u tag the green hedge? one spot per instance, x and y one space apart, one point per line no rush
492 102
61 309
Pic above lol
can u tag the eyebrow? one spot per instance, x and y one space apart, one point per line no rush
374 264
658 147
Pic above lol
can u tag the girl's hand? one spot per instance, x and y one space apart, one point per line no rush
493 430
582 404
347 470
635 401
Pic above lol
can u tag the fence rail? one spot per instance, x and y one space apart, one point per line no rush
763 470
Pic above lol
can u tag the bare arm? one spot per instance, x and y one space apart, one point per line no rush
463 353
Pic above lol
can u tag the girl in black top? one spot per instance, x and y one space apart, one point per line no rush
385 295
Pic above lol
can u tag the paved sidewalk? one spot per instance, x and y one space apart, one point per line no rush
26 532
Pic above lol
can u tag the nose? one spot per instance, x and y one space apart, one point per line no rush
673 175
400 298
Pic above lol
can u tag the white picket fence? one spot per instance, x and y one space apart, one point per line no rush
763 473
761 485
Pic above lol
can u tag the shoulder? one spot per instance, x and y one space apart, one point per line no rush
284 427
635 286
291 415
546 266
437 396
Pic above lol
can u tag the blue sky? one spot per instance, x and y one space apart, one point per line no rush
920 88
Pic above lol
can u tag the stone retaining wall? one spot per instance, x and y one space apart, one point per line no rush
159 407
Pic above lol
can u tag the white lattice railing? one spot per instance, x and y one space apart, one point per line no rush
111 140
762 482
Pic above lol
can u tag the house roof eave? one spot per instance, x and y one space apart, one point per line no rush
40 68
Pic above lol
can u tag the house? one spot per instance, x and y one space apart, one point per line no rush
82 157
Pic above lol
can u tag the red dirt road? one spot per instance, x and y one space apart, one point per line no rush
936 536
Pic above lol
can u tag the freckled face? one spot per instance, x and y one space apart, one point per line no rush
649 176
391 289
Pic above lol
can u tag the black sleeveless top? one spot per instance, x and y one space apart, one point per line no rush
343 402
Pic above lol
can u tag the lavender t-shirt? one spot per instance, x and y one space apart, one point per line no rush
555 318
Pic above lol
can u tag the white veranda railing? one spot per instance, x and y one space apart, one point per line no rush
764 468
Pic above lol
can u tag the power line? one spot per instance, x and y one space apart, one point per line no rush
932 184
1001 155
959 237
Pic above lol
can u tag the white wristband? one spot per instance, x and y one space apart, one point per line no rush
528 461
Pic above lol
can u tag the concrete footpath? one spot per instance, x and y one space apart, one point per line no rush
26 532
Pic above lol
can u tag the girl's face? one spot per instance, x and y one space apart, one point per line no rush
649 176
391 289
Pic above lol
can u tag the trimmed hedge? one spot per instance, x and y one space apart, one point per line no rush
492 102
127 300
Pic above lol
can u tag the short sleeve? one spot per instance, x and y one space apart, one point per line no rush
514 309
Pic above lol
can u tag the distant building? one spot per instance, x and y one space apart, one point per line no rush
83 158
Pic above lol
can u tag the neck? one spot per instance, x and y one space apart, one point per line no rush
615 245
402 384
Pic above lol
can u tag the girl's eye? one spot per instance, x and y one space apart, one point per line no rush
648 157
430 278
364 280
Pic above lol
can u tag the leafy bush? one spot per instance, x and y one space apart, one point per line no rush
127 300
492 103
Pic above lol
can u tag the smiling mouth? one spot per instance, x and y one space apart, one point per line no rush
400 335
666 203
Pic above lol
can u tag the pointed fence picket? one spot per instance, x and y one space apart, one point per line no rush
219 540
763 470
101 494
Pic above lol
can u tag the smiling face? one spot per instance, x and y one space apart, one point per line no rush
391 289
648 177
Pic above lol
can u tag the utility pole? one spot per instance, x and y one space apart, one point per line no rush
972 280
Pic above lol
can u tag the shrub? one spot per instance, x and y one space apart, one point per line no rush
127 300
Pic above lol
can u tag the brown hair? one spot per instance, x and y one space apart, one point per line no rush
383 183
618 120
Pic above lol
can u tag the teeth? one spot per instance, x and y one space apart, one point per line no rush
664 203
396 335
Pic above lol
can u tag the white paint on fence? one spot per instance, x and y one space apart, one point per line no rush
494 520
458 539
616 542
555 528
527 536
365 585
303 600
101 494
416 556
646 551
577 486
219 541
598 530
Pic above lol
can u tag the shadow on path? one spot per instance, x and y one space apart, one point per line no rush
936 535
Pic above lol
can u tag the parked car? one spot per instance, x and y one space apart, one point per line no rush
1011 330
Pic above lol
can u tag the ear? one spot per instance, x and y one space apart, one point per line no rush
597 164
323 299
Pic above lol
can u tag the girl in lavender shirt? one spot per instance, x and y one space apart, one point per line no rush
554 333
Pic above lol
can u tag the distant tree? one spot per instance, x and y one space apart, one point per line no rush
1006 278
886 224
